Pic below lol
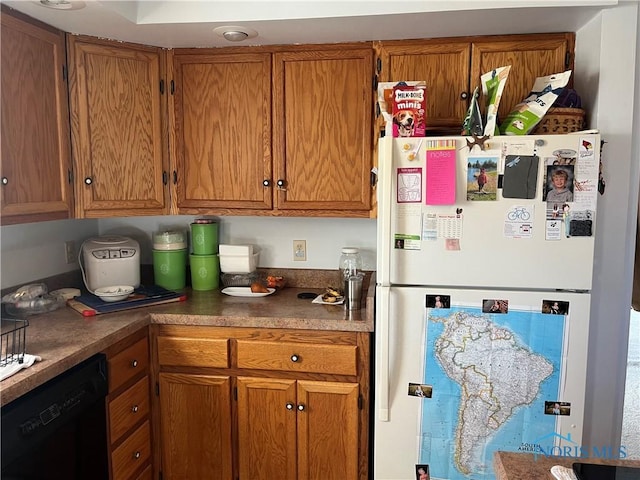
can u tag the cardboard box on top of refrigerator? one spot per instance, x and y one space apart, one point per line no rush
409 110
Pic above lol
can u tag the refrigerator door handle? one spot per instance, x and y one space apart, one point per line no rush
382 328
385 193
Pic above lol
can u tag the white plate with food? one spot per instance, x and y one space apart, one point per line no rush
337 301
245 292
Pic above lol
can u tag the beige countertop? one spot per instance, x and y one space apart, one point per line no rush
64 338
524 466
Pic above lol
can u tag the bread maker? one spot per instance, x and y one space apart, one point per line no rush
110 261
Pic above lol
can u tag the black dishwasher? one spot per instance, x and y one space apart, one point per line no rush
58 430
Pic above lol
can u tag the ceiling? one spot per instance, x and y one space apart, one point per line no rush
177 23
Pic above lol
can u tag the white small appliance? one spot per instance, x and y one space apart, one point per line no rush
110 260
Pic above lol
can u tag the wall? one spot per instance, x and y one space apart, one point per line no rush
34 251
610 42
274 237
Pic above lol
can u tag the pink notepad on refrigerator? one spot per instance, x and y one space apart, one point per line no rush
441 172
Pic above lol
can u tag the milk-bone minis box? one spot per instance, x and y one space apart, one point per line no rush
409 111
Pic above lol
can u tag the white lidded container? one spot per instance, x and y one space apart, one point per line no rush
238 258
169 240
111 260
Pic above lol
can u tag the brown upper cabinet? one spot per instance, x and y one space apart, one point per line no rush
322 130
443 66
117 131
451 69
35 146
272 132
220 119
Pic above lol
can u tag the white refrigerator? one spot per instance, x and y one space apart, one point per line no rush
484 268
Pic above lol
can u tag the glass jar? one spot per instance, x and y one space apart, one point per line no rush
350 262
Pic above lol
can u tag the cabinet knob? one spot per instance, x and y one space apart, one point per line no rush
301 407
136 455
134 363
281 184
88 181
289 406
295 358
134 409
5 180
266 182
464 95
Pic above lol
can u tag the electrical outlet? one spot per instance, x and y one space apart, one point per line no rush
299 250
70 251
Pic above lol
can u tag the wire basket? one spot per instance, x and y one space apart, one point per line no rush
13 341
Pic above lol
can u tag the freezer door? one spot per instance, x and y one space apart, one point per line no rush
488 240
489 379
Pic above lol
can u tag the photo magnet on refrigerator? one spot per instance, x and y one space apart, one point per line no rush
520 176
419 390
438 301
555 307
495 306
557 408
422 472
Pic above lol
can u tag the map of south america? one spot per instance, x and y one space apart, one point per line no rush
497 375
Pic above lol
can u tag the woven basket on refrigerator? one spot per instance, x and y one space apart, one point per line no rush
560 120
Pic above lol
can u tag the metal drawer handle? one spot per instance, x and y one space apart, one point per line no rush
136 455
134 409
295 358
134 363
289 406
5 180
301 407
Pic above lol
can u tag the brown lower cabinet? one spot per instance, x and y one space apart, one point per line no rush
259 404
195 426
129 409
292 429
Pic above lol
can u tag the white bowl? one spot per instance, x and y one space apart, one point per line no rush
114 294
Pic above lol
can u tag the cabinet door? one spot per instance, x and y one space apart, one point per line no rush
322 131
267 429
443 66
195 422
116 128
221 135
34 146
327 430
530 56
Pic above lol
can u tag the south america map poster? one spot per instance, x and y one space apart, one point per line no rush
491 375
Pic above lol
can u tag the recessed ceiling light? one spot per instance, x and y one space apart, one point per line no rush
62 4
235 33
235 36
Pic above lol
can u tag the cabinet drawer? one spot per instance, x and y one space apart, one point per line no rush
298 357
128 408
134 452
146 474
127 364
193 352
